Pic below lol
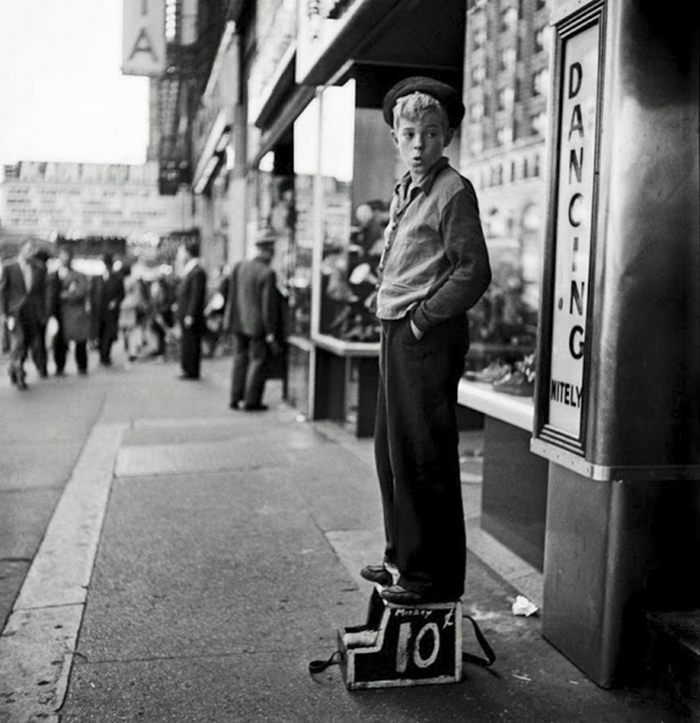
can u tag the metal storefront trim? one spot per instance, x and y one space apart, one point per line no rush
608 473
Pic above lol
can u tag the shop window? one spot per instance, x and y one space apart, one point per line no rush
306 133
359 165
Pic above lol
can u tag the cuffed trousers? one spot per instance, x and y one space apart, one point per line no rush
417 455
249 372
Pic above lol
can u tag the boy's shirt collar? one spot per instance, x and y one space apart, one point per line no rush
427 180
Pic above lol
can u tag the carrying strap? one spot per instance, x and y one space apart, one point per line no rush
318 666
490 658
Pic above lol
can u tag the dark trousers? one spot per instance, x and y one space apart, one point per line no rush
60 353
105 339
28 334
191 351
417 455
249 370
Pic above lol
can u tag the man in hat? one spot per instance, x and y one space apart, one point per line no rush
434 267
251 313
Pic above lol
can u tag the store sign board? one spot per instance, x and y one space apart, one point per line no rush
143 37
574 219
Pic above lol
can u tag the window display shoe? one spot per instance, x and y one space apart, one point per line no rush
516 383
492 373
377 574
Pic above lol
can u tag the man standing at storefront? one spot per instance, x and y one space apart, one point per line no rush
23 311
434 268
252 313
190 309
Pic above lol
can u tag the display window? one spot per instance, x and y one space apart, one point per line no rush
347 269
300 263
504 322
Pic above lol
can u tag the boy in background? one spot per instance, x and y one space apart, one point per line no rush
434 267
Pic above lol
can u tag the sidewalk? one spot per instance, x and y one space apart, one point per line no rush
199 558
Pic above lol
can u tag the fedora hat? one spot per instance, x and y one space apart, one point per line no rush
266 237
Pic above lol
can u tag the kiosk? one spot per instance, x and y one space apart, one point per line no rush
616 401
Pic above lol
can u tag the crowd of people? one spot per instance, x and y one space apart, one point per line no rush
50 309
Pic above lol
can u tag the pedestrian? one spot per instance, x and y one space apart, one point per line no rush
131 311
106 295
190 309
434 267
161 316
23 311
68 293
252 313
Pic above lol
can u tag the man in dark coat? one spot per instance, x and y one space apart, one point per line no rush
23 309
190 309
106 294
252 311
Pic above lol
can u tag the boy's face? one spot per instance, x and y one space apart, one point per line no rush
421 141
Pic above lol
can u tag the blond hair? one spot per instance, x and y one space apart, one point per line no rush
414 105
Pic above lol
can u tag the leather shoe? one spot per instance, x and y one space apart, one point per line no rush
255 407
400 595
377 574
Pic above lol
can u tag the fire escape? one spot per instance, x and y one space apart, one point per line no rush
193 29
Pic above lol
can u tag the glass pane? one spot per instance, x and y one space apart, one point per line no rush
306 134
337 153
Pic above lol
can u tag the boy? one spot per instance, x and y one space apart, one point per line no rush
434 267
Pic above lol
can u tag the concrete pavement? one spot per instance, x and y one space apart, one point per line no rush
196 559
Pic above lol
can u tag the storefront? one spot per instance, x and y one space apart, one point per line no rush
319 167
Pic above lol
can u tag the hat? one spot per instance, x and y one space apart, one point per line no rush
265 238
446 94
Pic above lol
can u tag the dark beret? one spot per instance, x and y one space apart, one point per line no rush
446 94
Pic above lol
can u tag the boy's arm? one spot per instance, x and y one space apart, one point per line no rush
470 272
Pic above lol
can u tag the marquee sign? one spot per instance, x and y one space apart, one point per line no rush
143 40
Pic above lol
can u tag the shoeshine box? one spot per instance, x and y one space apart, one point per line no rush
403 645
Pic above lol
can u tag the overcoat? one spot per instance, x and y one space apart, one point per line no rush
70 304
